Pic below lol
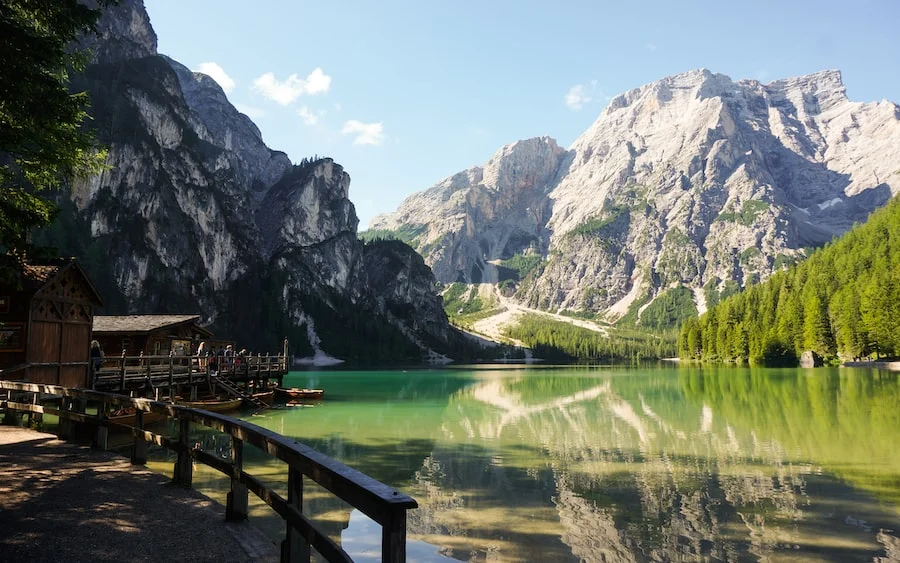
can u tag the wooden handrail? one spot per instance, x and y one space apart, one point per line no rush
382 503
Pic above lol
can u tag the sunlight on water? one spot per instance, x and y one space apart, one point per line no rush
607 464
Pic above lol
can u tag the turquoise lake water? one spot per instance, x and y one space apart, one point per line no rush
606 463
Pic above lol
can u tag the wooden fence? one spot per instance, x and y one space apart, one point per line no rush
128 372
381 503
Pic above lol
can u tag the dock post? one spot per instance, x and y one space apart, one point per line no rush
184 465
64 427
139 450
295 548
122 373
172 375
393 537
101 437
236 507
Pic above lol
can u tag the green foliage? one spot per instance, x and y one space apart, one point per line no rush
782 261
596 225
842 302
670 309
406 233
522 264
41 137
746 215
563 342
748 254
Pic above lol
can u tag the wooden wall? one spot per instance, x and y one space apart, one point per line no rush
59 331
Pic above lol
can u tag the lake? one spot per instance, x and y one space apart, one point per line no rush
606 463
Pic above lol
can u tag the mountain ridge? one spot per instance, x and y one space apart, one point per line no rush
194 213
693 180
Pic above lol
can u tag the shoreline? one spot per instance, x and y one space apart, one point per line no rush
890 366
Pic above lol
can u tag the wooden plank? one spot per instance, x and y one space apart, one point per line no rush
322 543
370 496
380 502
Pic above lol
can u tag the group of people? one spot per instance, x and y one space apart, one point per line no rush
220 358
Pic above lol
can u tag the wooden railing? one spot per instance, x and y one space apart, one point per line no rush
160 371
381 503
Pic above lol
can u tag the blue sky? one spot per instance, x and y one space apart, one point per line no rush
404 94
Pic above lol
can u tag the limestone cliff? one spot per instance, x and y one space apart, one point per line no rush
693 179
195 214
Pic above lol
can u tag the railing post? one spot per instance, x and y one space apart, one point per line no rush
294 548
393 537
184 465
172 375
101 437
122 373
139 450
64 426
236 506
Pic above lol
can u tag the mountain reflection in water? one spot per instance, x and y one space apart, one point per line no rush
611 464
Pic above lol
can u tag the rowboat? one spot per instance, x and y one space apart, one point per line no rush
297 394
264 396
214 405
128 417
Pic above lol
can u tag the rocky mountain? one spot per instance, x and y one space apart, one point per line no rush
694 180
195 214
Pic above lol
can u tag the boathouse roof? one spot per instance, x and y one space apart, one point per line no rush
135 324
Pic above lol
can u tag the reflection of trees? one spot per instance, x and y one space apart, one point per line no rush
637 475
827 415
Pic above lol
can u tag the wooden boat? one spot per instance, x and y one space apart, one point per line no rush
265 396
214 405
128 417
295 394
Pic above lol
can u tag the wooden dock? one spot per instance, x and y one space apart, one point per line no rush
168 376
80 409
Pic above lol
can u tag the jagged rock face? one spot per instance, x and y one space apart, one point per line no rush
405 281
485 213
194 213
217 121
123 32
693 179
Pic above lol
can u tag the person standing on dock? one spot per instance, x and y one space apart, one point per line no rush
213 360
229 357
96 356
201 356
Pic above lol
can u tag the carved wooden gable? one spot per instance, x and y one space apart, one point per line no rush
65 298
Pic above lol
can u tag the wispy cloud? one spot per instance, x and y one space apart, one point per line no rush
650 46
307 115
366 133
218 74
286 91
581 95
250 111
577 96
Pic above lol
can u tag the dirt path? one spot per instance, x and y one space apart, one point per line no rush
511 312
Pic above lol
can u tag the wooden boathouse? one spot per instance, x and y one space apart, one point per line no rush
150 335
46 314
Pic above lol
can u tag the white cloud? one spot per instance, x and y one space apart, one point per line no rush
250 111
577 96
218 74
308 116
285 92
366 133
650 46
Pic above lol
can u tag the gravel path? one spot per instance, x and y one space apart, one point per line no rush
63 502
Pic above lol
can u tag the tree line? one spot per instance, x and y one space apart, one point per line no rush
558 341
843 302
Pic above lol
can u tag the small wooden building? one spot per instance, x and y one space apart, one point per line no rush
45 318
152 335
